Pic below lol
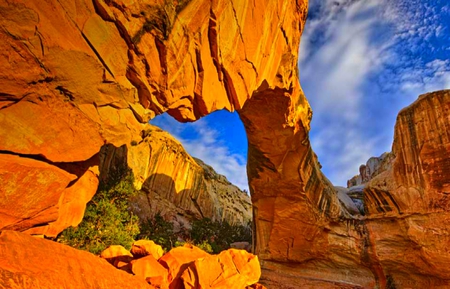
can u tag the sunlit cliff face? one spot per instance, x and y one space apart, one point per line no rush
102 69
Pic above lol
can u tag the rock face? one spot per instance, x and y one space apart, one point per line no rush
373 167
408 205
28 262
78 75
174 184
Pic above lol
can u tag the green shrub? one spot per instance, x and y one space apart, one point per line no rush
210 236
159 231
107 219
219 235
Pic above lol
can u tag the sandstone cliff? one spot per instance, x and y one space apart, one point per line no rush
176 185
79 75
403 196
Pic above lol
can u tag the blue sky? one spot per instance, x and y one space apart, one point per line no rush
361 61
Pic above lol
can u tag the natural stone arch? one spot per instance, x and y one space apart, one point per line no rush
106 67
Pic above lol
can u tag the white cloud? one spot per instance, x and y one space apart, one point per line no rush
332 77
206 145
355 54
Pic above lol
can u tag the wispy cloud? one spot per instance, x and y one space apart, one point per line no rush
360 63
203 141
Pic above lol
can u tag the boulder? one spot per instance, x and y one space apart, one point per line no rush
116 253
142 248
27 262
150 270
230 269
177 260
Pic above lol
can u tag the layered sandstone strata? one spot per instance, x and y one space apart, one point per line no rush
408 205
80 75
176 185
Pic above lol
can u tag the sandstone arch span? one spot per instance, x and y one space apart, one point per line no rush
78 75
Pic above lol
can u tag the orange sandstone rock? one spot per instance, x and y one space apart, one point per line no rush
149 269
77 76
407 205
19 211
28 262
230 269
116 253
142 248
177 260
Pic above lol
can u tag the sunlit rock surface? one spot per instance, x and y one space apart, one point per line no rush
79 75
408 205
28 262
177 186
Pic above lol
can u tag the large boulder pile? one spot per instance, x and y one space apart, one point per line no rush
29 262
186 267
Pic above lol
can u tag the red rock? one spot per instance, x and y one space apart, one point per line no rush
230 269
182 188
45 185
149 269
177 260
28 262
78 76
142 248
65 142
116 253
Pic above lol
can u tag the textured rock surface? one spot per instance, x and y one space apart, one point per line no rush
28 262
408 205
373 167
176 185
150 270
230 269
177 260
78 75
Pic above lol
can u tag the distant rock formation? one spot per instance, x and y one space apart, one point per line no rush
179 187
373 167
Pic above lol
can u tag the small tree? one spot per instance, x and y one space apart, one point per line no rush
160 231
107 220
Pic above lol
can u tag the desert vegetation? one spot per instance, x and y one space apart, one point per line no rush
108 220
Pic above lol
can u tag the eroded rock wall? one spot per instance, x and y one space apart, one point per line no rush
408 205
79 75
174 184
